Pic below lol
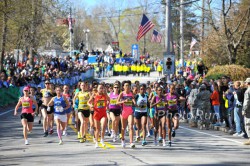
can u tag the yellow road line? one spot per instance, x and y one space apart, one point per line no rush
90 137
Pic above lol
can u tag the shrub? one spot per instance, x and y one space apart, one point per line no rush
235 72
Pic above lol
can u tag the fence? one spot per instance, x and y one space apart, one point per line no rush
12 94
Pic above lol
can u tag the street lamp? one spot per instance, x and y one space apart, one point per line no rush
86 31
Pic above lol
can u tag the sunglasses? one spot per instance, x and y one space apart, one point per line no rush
116 87
26 91
142 89
47 83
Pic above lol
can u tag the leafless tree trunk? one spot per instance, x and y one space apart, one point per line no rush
4 36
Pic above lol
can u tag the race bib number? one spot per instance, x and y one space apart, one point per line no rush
59 109
113 102
100 104
128 103
172 102
83 103
26 104
161 105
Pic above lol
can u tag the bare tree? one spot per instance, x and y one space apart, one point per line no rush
232 29
4 35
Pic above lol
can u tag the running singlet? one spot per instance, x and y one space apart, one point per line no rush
127 106
160 106
59 105
172 101
142 103
100 103
46 93
27 105
83 99
68 97
113 101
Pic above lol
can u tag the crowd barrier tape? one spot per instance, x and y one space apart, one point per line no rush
12 94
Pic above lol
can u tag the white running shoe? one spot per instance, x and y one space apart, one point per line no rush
26 142
96 145
60 142
94 140
163 143
102 142
123 144
114 138
132 145
64 133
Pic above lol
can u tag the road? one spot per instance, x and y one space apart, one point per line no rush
191 146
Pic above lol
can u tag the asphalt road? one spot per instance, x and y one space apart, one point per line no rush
191 146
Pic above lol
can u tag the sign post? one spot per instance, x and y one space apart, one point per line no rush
135 52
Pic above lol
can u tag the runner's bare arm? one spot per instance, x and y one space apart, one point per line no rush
17 106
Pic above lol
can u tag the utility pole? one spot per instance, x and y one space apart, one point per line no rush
167 26
181 33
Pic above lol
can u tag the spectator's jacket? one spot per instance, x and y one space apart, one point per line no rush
246 103
215 98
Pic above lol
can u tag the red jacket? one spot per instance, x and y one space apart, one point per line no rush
215 98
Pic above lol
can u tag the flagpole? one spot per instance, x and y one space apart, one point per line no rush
70 35
144 50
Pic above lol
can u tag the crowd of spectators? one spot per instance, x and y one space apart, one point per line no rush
45 67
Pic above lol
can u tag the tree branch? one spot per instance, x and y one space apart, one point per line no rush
244 31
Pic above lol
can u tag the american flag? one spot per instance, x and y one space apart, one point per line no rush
70 22
145 26
156 37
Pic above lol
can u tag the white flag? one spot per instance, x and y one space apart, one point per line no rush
193 42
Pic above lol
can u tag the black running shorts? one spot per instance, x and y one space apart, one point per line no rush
28 116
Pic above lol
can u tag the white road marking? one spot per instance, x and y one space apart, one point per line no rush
7 112
227 139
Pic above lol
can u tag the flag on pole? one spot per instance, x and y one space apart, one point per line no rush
70 22
144 27
156 36
193 42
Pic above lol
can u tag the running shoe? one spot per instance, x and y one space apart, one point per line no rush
60 142
141 134
137 139
169 143
102 143
120 135
148 135
84 138
81 140
156 142
51 131
144 143
173 133
94 140
109 134
96 145
78 135
163 143
123 144
65 133
26 142
135 128
132 145
160 139
45 134
114 138
39 122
